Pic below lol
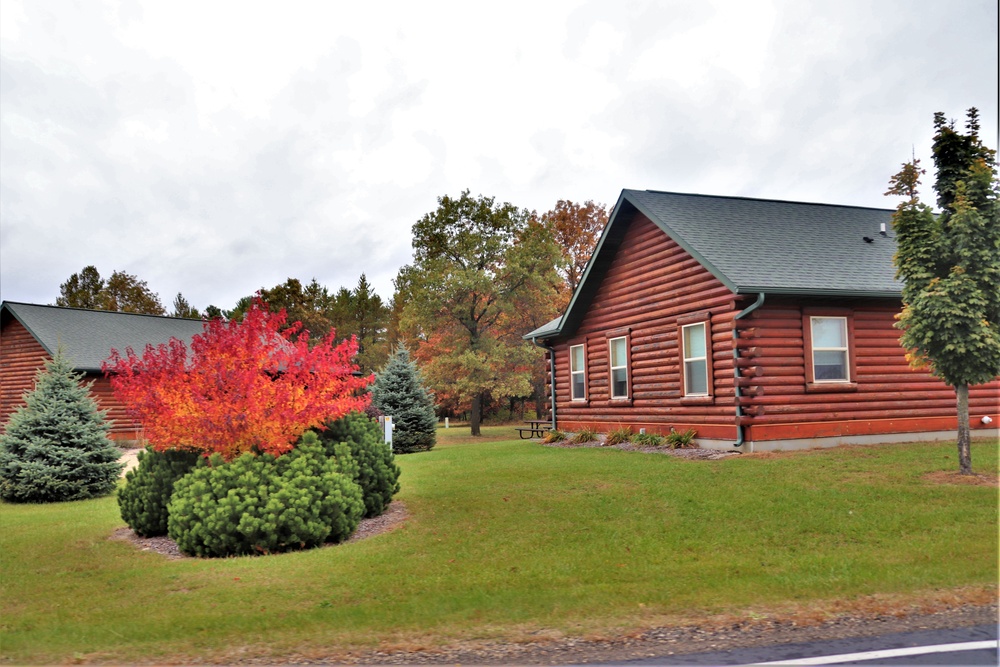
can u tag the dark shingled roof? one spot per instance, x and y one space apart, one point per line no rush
755 245
87 336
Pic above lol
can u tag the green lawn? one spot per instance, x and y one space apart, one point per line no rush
505 537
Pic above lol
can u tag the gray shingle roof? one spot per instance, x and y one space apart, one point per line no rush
753 246
779 247
87 336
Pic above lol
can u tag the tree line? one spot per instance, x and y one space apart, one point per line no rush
484 273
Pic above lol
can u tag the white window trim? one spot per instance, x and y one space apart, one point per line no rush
846 349
612 368
685 358
582 371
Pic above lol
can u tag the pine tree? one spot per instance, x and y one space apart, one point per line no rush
399 392
56 447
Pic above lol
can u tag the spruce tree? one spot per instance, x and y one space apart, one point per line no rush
399 392
56 447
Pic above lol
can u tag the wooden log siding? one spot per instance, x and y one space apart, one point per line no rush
22 356
650 284
889 396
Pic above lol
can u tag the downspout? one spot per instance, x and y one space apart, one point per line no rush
736 369
552 377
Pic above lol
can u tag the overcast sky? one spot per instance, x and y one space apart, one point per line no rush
214 148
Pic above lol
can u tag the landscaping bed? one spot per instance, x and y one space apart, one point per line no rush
694 453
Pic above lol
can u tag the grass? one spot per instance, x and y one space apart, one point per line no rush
506 537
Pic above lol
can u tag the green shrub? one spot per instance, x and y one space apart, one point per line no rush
618 436
260 504
56 446
143 500
377 472
648 439
680 440
584 436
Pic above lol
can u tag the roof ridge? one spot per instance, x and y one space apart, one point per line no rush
762 199
96 310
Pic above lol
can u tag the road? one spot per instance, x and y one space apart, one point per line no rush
975 645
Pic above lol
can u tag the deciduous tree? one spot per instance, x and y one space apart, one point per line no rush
950 266
475 263
576 229
122 292
247 386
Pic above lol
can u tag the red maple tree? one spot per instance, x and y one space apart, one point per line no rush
246 386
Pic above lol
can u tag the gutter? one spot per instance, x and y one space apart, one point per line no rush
552 377
736 369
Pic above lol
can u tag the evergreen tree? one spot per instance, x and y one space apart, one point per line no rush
950 266
399 392
183 309
56 447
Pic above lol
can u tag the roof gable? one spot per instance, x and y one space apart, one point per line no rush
87 336
754 246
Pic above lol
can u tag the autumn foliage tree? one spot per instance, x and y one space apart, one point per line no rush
246 386
477 265
576 229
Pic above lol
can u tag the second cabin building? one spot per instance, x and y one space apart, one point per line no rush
760 324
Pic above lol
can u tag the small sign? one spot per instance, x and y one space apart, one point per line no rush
387 427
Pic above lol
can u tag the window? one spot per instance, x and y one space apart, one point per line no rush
695 352
618 350
577 373
830 354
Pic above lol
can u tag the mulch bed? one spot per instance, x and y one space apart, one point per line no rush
694 453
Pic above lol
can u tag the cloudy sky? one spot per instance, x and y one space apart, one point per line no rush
213 148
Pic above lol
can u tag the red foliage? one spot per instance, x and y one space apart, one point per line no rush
246 386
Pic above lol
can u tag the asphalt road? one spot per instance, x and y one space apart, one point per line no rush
878 650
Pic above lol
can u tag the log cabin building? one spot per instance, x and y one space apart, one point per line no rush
760 324
30 335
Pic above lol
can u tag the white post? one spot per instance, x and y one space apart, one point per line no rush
446 422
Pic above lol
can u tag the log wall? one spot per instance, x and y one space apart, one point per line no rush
885 395
653 287
651 283
22 356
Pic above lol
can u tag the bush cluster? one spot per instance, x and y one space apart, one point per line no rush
648 439
553 435
262 504
377 472
618 436
584 436
143 500
316 493
680 440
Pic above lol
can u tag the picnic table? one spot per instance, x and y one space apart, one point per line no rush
535 428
